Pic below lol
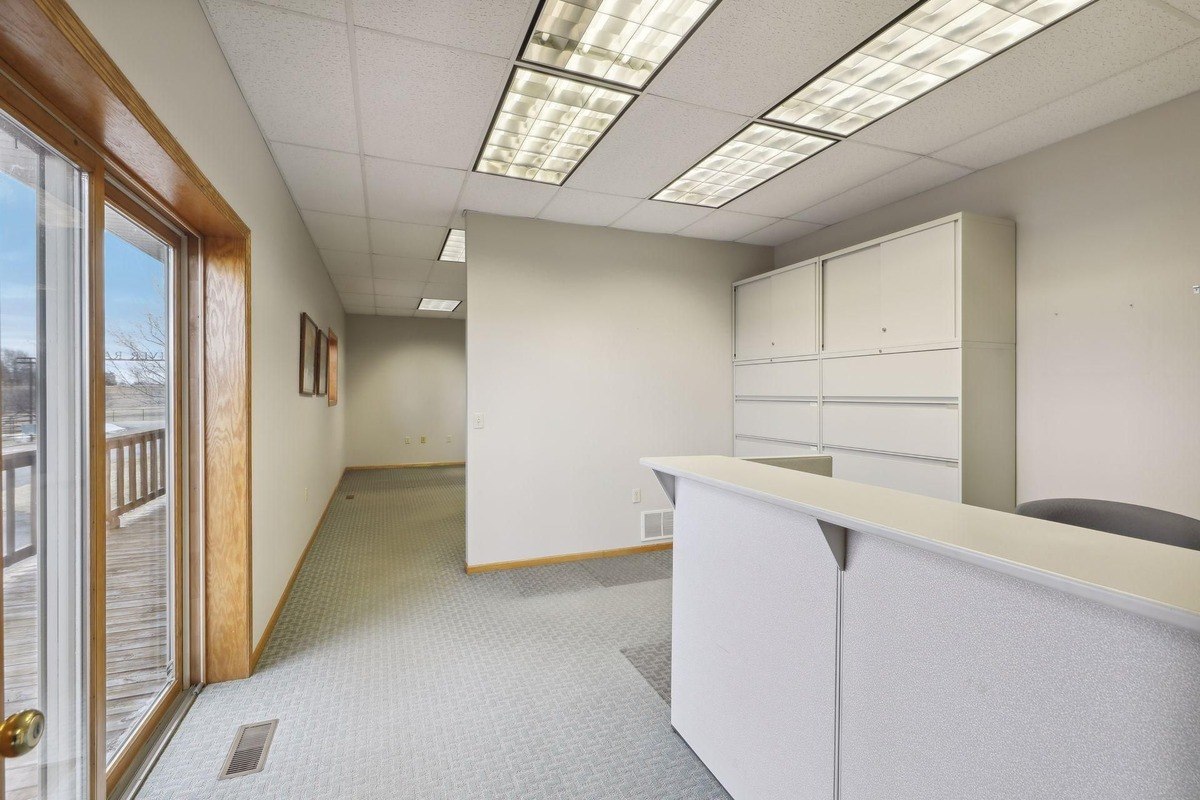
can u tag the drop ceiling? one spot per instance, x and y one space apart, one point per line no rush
376 110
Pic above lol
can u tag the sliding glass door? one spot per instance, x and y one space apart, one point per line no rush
43 419
142 529
90 413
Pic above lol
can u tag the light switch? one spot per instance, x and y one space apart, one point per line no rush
477 420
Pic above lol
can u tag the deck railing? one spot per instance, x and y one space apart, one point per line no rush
137 474
14 461
137 471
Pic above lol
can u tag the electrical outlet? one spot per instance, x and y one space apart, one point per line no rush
408 440
306 494
477 420
449 438
423 440
637 495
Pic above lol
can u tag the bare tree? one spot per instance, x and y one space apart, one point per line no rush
142 363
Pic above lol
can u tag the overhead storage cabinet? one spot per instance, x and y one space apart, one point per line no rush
911 383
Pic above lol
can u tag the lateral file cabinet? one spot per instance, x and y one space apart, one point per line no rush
910 379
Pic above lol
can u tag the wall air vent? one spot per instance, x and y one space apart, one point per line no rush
658 526
248 754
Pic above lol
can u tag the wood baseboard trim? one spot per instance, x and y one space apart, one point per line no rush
409 466
287 590
473 569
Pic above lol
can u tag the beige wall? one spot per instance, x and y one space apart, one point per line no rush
588 348
405 377
168 51
1108 339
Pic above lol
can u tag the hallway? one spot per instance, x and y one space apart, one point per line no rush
395 675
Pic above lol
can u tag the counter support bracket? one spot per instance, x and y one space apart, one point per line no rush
835 537
667 481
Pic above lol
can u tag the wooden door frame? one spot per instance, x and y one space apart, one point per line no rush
57 79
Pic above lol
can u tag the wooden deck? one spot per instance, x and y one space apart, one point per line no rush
138 647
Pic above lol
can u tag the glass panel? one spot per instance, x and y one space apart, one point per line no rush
42 247
140 548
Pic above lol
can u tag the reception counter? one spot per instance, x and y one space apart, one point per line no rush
838 640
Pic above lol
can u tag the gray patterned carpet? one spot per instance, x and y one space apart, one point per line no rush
396 675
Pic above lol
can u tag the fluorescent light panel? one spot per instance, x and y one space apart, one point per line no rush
936 41
455 246
545 126
757 154
622 41
429 304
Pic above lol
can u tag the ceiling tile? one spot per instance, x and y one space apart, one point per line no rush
484 26
407 240
587 208
828 173
322 180
445 291
337 231
425 103
329 9
1098 42
401 269
783 231
727 226
389 288
751 54
357 299
397 303
653 143
358 309
913 178
394 312
1144 86
449 272
431 314
657 217
495 194
340 262
355 284
294 71
412 192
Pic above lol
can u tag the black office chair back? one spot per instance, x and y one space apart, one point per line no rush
1126 519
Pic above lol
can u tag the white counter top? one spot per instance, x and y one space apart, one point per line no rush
1147 578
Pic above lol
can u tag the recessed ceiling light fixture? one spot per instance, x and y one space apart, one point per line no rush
546 124
620 41
455 246
755 155
429 304
933 43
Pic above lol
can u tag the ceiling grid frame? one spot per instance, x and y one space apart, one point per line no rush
779 212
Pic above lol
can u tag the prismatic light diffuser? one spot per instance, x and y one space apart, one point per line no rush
455 246
621 41
757 154
935 42
546 124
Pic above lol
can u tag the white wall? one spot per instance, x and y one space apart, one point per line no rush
588 348
168 51
405 376
1108 330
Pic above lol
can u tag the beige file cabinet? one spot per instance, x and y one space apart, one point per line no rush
911 379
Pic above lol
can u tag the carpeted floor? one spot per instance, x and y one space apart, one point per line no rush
395 675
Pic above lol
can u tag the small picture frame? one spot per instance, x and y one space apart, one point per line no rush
308 355
331 369
321 382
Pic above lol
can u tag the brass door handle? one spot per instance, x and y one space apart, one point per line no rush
21 732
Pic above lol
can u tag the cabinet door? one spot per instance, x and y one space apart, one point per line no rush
752 320
794 312
851 312
918 295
